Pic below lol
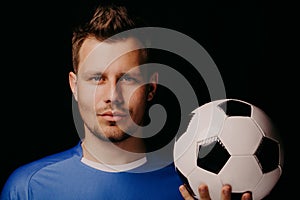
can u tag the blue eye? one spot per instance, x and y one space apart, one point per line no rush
128 78
97 78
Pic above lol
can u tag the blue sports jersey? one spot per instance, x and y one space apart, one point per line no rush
63 176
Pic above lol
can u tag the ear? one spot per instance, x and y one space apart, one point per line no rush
73 84
152 86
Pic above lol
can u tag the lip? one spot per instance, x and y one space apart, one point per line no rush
112 115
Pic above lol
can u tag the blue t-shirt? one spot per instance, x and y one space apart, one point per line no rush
64 176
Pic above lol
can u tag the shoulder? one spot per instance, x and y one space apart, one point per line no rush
18 183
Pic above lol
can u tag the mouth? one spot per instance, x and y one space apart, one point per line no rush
112 116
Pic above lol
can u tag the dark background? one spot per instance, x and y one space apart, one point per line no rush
249 41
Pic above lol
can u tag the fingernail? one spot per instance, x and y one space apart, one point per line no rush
203 189
182 188
227 190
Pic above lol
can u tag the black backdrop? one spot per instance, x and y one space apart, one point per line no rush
246 39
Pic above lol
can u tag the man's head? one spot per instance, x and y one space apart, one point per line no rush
107 21
109 82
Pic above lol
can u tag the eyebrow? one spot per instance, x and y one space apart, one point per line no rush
92 73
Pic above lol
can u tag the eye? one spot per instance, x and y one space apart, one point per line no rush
128 78
97 78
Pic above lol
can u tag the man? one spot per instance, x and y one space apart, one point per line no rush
113 87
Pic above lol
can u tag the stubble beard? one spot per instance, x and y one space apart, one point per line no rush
115 132
111 133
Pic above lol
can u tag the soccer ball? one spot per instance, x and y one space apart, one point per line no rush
229 141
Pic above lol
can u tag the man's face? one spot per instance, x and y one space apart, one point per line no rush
110 89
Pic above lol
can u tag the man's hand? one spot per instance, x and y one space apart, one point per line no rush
204 193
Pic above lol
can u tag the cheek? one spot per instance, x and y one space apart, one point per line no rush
137 100
137 107
87 97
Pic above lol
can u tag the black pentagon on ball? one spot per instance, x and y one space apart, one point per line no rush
212 156
236 108
267 154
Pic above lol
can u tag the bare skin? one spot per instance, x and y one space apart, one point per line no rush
204 193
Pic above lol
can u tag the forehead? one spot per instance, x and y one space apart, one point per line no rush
96 54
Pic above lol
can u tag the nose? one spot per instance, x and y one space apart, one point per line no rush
113 93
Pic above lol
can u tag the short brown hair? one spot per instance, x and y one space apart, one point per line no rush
108 20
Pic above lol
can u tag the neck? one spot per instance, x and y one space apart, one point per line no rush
105 152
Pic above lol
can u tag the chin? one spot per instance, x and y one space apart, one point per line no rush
118 139
115 135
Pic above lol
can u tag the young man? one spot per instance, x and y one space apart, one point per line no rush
112 88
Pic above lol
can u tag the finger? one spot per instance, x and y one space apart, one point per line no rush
203 192
184 192
247 196
226 192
